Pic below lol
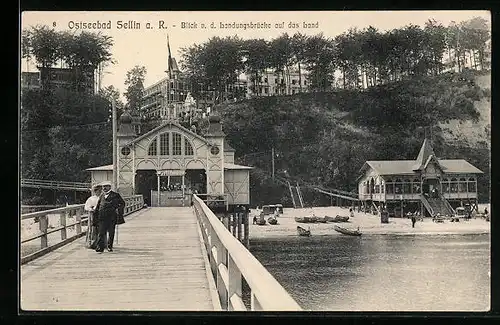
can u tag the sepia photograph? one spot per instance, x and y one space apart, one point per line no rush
277 161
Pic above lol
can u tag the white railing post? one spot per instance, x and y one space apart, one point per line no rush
222 279
254 303
214 259
63 217
234 286
43 223
78 218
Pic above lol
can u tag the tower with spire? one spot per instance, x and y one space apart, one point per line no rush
174 90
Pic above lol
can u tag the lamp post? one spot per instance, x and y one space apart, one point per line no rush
115 167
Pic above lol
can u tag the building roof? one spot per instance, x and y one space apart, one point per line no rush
234 166
175 67
423 156
156 129
402 167
226 166
105 167
227 146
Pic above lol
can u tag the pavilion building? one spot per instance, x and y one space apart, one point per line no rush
426 184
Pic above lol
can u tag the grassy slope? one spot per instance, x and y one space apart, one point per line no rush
324 138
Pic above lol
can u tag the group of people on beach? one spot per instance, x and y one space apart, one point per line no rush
106 209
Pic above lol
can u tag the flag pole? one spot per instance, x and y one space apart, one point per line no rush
115 154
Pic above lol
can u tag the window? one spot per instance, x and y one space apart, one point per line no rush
445 184
176 145
214 150
275 80
389 188
260 79
415 186
164 144
462 185
398 187
407 186
471 185
125 151
265 80
294 81
453 185
188 149
152 151
266 90
305 82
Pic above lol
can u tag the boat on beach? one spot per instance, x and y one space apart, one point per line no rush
272 220
307 219
302 232
346 231
340 218
261 220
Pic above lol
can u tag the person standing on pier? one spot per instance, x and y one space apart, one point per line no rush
110 210
90 206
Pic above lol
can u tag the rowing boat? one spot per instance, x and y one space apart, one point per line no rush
346 231
307 219
272 220
302 232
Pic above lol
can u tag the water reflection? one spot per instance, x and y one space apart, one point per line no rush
381 273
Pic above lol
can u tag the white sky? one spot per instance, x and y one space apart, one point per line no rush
147 47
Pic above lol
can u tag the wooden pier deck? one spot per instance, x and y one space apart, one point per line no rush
157 264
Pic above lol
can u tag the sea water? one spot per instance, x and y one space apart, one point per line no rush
381 272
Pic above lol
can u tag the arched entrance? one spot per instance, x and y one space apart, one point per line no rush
145 182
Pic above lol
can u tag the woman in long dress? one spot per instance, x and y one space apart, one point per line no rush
90 205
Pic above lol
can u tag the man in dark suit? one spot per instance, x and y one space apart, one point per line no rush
110 210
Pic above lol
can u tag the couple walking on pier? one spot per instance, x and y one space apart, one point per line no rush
106 209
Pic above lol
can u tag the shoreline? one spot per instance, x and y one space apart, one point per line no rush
368 224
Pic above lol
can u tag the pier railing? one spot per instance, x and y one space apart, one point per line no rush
74 212
230 261
62 185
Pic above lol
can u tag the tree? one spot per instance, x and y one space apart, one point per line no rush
436 44
299 42
191 63
320 58
281 56
135 87
474 36
112 93
257 55
82 53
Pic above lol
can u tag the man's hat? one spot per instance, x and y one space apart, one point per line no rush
96 186
105 183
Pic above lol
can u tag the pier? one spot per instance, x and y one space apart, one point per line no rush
164 259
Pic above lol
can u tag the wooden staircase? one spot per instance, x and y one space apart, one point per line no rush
437 205
296 195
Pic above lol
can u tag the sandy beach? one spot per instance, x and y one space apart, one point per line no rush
368 224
